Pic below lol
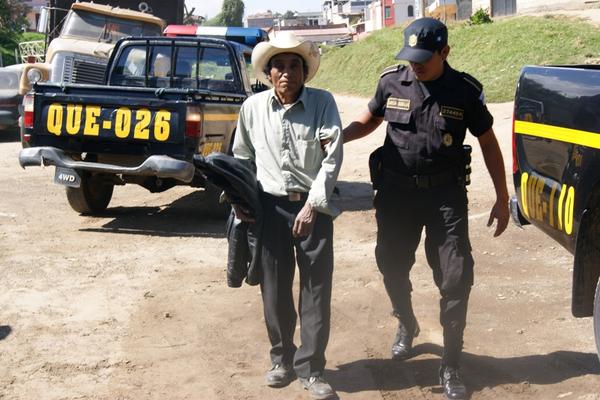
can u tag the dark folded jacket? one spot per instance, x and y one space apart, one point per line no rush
238 180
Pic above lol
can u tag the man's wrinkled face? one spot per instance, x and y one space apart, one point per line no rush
287 75
431 69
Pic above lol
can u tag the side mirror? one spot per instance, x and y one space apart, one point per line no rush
42 26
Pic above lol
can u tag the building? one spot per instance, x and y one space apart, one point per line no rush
498 8
326 34
346 12
385 13
260 20
34 15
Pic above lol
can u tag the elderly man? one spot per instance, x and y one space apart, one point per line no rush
420 176
293 135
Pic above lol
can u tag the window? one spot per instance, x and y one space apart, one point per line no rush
411 11
388 12
104 28
195 67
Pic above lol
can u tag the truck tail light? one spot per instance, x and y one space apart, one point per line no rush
514 146
193 122
28 111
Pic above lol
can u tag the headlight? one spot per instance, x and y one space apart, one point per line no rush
34 75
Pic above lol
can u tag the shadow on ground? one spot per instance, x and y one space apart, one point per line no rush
478 371
189 215
354 196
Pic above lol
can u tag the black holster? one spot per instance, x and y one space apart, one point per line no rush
465 173
376 167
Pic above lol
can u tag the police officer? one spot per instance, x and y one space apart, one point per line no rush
420 177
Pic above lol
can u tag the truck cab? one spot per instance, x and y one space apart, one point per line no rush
88 35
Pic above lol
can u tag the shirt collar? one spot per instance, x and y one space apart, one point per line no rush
274 100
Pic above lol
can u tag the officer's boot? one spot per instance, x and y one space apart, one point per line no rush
452 384
407 331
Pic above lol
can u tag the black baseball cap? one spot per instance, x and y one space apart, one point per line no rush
422 38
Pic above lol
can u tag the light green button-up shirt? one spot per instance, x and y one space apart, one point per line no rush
285 144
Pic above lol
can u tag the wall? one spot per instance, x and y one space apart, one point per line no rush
401 11
535 5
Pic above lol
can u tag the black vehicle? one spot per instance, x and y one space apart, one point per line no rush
165 101
556 169
10 99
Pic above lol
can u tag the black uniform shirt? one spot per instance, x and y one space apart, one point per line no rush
427 121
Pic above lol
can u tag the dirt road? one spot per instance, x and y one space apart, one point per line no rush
134 304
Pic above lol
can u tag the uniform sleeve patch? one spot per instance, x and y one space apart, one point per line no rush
452 112
390 69
398 104
473 82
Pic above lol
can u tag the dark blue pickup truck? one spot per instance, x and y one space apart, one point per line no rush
165 99
556 167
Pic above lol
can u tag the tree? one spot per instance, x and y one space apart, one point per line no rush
13 15
289 15
13 21
231 14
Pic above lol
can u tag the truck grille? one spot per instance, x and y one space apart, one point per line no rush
83 71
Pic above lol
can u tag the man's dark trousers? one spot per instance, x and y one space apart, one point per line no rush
314 255
401 214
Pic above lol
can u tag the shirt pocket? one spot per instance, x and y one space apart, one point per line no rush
399 126
309 154
449 134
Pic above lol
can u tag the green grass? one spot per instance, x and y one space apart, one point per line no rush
493 53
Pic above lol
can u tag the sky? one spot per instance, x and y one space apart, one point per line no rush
210 8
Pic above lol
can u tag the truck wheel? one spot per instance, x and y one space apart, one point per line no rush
92 196
597 317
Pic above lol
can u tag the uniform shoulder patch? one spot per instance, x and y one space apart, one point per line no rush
392 68
472 82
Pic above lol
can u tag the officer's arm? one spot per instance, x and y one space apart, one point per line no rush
362 126
495 165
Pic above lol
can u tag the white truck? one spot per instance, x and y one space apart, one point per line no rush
89 33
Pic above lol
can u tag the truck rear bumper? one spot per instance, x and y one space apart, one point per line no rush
160 166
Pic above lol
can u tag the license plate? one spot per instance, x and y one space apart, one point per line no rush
121 123
67 176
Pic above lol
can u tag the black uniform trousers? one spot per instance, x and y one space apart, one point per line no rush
314 255
401 214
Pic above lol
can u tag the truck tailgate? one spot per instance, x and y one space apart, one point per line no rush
89 118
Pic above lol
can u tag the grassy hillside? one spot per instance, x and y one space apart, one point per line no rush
493 53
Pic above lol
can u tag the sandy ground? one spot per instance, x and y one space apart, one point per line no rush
134 304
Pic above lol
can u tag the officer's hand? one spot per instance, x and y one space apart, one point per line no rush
242 214
501 214
305 220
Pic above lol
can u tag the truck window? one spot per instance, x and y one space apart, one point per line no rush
194 67
104 28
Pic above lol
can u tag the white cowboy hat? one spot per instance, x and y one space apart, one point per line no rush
284 42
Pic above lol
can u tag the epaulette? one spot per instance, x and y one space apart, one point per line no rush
392 68
472 81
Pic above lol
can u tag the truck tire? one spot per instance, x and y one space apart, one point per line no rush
92 196
597 317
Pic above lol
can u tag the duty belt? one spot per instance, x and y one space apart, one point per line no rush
419 181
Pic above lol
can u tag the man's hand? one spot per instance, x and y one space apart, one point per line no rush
242 214
305 220
501 214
